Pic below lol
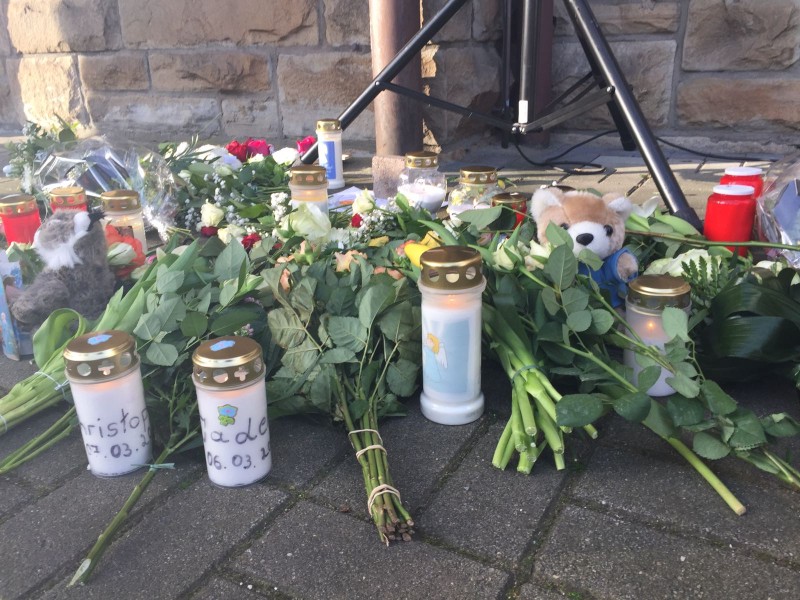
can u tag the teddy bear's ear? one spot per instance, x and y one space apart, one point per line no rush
543 199
619 204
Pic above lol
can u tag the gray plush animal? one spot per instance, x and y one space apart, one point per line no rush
72 245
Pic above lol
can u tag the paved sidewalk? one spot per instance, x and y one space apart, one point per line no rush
628 518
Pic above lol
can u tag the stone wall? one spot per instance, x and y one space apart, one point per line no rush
156 69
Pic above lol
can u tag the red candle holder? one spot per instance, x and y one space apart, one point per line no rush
68 198
730 212
752 176
20 216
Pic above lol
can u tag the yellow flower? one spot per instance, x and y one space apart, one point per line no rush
378 242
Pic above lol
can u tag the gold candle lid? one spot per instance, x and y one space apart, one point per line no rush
659 291
67 197
478 175
228 362
329 125
120 200
100 356
422 160
17 204
451 268
516 200
308 176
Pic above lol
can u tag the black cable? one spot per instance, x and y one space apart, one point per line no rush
583 168
708 154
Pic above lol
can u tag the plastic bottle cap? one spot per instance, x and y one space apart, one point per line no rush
744 171
734 190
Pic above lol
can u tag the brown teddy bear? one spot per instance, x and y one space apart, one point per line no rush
595 223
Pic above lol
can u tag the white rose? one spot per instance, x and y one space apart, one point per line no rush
309 222
506 257
226 234
364 203
218 155
536 251
120 254
210 215
222 169
285 156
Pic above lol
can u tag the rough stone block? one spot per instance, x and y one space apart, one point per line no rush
14 496
607 557
312 537
226 71
487 20
56 26
465 76
177 543
118 71
385 173
746 104
492 513
166 115
347 22
626 17
5 43
158 24
9 108
252 117
742 36
48 85
322 85
222 589
647 66
458 28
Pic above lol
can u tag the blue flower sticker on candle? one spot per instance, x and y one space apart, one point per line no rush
98 339
222 345
227 414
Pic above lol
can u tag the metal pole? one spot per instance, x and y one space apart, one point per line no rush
589 32
398 120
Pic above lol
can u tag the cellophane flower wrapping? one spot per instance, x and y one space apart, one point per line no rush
779 207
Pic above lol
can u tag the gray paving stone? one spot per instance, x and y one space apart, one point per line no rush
14 495
177 543
531 591
419 451
50 536
302 448
222 589
610 558
313 552
12 371
489 512
672 493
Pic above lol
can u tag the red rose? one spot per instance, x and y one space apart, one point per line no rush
306 143
209 231
255 147
238 150
250 240
356 221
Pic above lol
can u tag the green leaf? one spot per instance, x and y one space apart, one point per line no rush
55 333
558 236
161 354
347 332
577 410
373 301
748 432
659 421
579 321
235 318
357 409
683 385
717 400
710 447
397 323
286 328
481 218
131 317
168 280
194 324
685 411
550 301
574 299
561 267
590 259
171 310
342 301
301 357
602 321
780 425
676 323
228 292
148 327
302 297
335 356
633 406
647 377
401 377
229 263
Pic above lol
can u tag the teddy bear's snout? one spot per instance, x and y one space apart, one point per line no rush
584 239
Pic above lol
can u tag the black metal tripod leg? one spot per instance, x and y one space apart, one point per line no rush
596 45
390 71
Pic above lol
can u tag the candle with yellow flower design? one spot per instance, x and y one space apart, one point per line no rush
451 283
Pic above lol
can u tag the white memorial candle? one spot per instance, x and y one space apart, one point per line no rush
423 195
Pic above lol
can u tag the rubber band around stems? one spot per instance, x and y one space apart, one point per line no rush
59 387
384 488
368 448
375 431
525 368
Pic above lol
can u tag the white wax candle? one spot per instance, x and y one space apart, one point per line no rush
235 433
114 424
649 326
423 195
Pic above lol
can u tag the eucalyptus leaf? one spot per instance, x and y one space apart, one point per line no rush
577 410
